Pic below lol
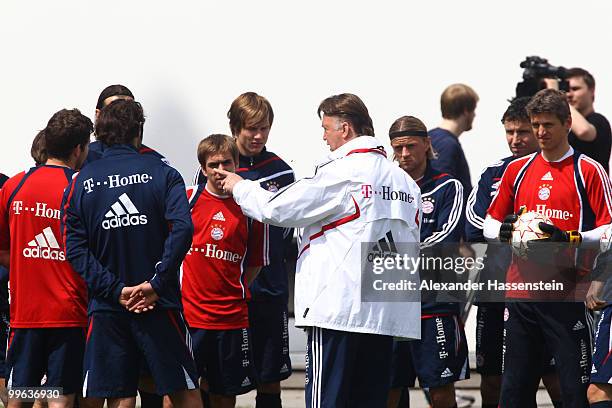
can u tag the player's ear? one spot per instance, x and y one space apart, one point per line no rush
137 140
347 130
75 155
76 151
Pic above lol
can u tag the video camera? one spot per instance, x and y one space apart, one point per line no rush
535 70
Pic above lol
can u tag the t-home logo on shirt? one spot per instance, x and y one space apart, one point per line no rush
553 213
212 251
45 246
40 210
123 214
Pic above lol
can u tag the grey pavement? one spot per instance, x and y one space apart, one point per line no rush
293 393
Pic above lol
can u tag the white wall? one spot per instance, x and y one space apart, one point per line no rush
186 61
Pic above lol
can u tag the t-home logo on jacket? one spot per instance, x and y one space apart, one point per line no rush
45 246
123 214
117 180
386 193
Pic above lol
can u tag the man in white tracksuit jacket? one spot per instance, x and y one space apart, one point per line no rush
357 196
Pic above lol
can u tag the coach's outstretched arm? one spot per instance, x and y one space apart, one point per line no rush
100 281
298 205
180 235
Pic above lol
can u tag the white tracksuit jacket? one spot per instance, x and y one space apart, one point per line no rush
357 196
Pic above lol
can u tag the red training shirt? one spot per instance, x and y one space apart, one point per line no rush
574 192
44 289
225 242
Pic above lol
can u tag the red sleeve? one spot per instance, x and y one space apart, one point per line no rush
503 202
257 245
598 190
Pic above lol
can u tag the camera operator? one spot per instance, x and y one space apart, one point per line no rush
590 133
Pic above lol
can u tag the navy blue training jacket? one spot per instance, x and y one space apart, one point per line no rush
126 220
97 148
451 158
442 197
498 257
480 199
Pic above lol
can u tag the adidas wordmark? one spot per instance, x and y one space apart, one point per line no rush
123 214
45 246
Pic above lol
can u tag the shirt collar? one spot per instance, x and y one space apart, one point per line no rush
570 152
428 176
361 142
222 197
252 160
119 149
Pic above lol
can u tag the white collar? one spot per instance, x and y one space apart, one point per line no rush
360 142
567 154
215 195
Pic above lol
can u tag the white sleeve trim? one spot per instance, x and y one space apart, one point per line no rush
453 218
491 228
196 176
473 218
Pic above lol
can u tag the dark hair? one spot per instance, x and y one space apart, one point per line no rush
549 101
38 150
120 122
215 144
350 108
66 130
517 110
411 123
407 123
457 99
113 90
584 74
249 109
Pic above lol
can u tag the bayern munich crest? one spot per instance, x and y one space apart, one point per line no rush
216 233
544 191
428 205
272 187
